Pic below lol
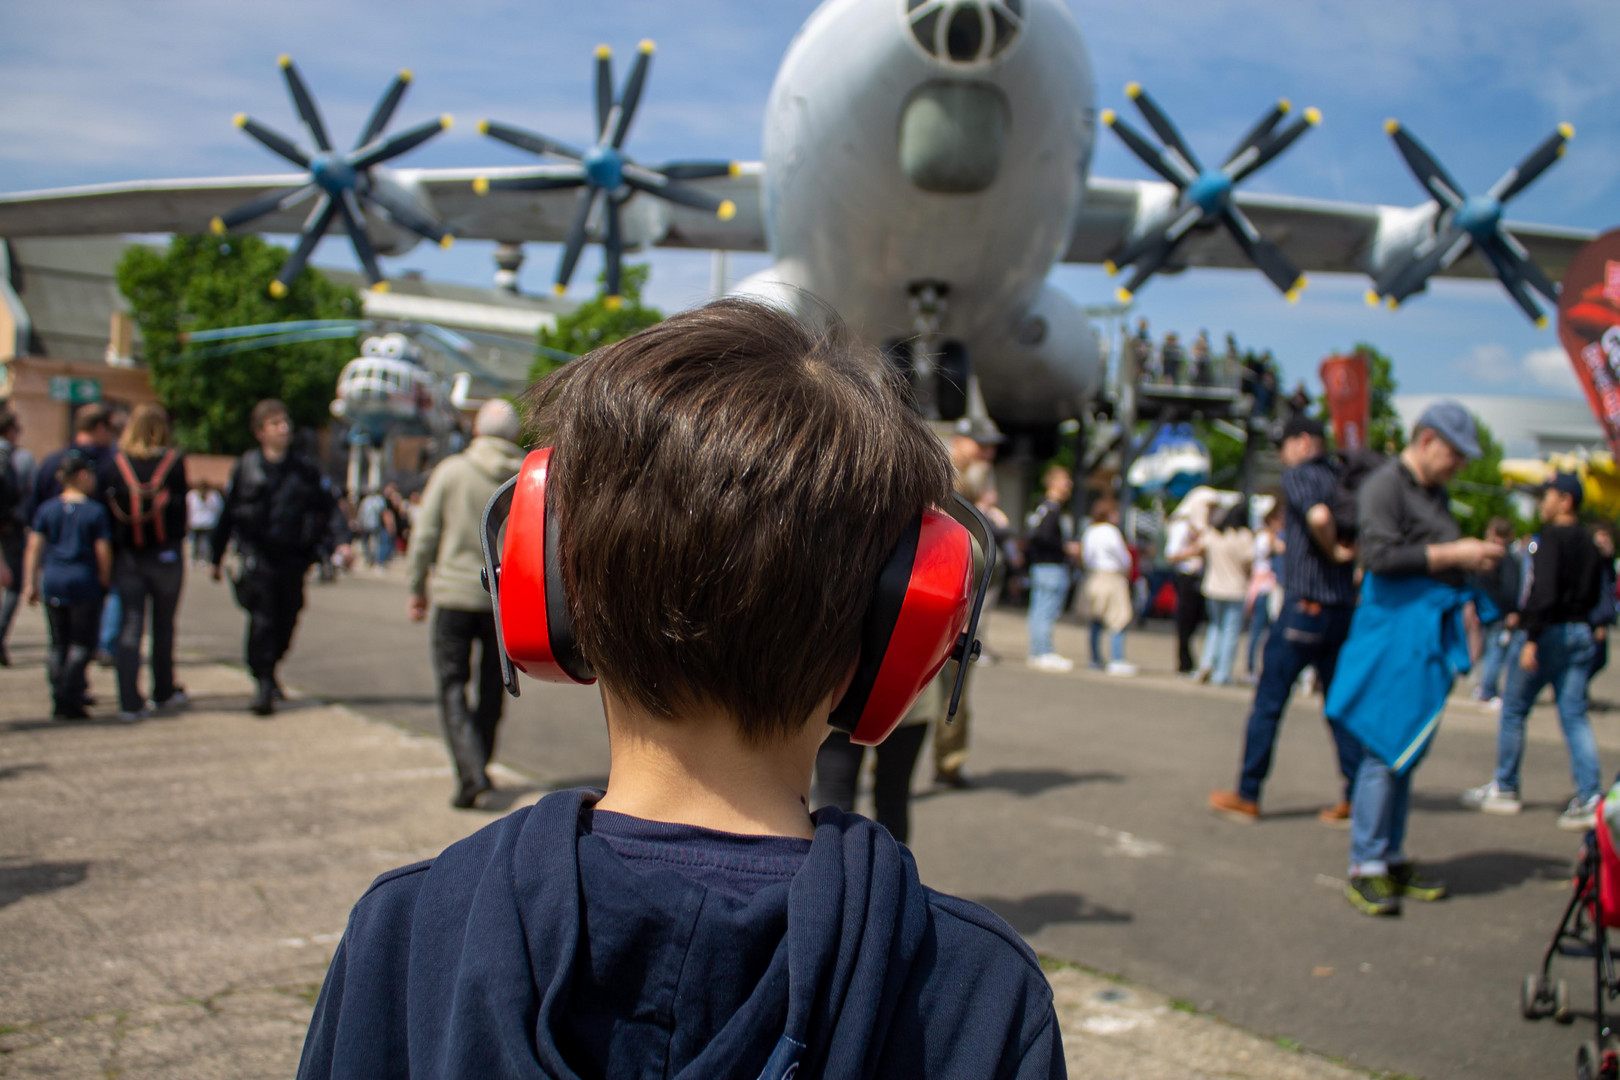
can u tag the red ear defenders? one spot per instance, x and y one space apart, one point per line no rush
925 609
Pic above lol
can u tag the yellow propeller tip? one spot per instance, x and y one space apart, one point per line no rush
1133 90
1108 117
1371 297
647 47
1285 106
613 303
1392 126
1567 130
217 226
1109 267
1292 296
1393 303
483 127
1313 116
446 122
727 210
277 289
559 289
734 169
447 241
603 52
1300 283
406 74
380 287
1541 322
480 185
1123 295
240 119
284 61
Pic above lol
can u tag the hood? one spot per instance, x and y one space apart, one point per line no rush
496 458
651 971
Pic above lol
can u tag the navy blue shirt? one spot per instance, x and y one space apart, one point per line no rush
71 529
1308 572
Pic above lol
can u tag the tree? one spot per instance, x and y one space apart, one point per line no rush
1384 431
597 322
1477 494
208 282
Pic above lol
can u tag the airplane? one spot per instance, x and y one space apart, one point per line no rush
925 165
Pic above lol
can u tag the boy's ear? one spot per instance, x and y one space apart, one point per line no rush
843 684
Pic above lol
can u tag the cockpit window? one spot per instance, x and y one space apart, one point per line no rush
965 32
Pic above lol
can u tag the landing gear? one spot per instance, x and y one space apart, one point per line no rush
939 380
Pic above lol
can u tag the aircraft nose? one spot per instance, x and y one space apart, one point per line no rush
959 32
953 136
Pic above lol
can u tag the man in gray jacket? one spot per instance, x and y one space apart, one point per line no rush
445 541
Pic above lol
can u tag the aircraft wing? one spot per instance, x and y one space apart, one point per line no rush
1318 235
168 206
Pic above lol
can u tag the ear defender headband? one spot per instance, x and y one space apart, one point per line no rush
925 594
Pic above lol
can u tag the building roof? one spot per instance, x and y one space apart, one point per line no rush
1524 426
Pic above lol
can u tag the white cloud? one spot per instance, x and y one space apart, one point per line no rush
1550 369
1489 363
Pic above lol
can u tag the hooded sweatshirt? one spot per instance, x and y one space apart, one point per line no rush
445 536
541 947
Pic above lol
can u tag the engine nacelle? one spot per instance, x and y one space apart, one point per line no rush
1045 368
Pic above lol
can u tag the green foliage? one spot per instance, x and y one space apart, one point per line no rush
1477 494
594 323
208 282
1384 431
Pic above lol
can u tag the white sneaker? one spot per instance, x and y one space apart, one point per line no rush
1051 662
1492 799
1122 669
1579 815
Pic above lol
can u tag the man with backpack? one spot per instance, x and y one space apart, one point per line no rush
281 511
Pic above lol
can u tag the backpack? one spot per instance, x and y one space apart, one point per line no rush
147 502
1352 468
10 493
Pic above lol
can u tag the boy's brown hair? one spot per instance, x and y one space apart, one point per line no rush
729 484
264 412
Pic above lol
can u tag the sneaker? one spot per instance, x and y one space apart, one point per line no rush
1336 816
1414 886
264 699
1230 804
134 716
1051 662
1579 815
1121 669
177 700
1377 895
1492 798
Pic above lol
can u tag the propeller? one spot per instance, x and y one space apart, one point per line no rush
604 171
339 182
1471 222
1205 194
456 345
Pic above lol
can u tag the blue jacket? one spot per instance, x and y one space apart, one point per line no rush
529 950
1407 646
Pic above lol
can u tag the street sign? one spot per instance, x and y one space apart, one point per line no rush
75 391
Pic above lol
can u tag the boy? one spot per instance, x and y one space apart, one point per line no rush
69 564
728 486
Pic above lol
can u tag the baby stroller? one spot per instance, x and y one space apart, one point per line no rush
1583 934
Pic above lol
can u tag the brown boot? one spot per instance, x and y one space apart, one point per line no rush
1336 816
1230 804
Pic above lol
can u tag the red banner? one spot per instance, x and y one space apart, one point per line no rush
1589 328
1349 398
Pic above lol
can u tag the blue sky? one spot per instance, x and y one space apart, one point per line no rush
99 91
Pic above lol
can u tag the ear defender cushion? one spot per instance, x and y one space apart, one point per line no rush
917 616
533 605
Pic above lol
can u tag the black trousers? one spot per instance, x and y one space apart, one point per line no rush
469 731
142 578
273 595
1189 614
838 767
12 545
74 628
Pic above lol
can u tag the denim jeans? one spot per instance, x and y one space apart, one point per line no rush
1221 639
1495 658
1116 644
1048 588
1564 659
1259 627
1378 818
1299 639
112 623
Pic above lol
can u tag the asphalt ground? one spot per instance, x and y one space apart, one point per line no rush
1087 830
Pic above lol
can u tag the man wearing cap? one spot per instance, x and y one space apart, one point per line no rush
1554 644
1406 646
1318 579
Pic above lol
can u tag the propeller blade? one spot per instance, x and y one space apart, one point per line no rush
384 111
307 112
483 185
232 333
355 223
280 199
1277 267
604 89
1153 157
646 180
613 250
1159 253
394 146
1161 125
1506 267
408 214
292 338
632 93
1257 134
272 140
316 228
1527 267
1257 158
576 239
1434 178
1403 280
697 170
1534 164
527 140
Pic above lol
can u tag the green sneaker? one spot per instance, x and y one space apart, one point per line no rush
1411 884
1374 895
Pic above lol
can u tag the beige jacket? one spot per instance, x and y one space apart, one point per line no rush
1228 558
444 536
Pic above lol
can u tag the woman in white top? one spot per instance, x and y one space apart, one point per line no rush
1228 557
1107 561
203 506
1263 587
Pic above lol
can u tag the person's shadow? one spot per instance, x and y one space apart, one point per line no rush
1480 873
1031 914
1028 783
19 879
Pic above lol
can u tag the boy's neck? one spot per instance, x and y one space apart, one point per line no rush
696 769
